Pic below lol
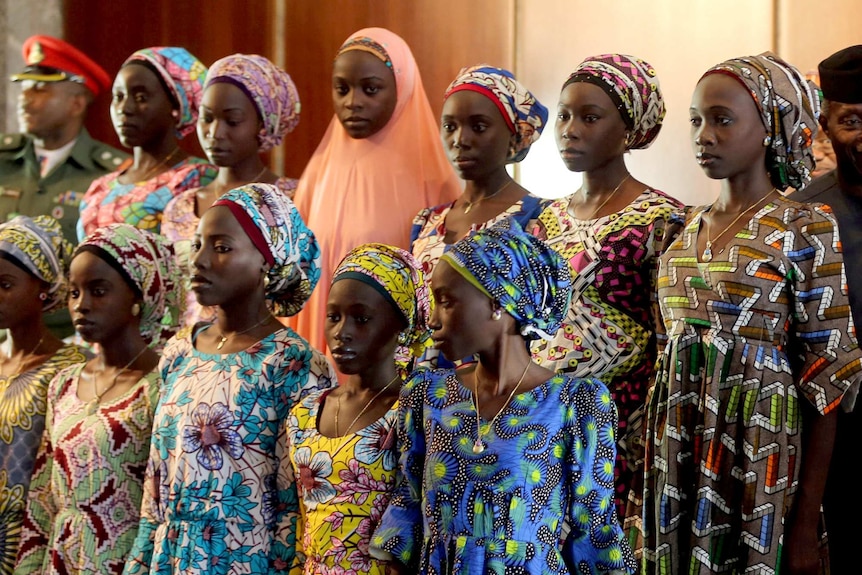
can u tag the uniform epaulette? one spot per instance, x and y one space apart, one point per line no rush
107 157
9 142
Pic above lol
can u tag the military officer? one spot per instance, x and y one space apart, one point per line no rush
47 168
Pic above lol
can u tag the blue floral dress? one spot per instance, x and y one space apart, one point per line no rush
549 459
219 495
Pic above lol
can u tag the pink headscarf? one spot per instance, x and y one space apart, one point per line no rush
355 192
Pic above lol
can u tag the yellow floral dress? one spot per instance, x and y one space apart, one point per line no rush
344 485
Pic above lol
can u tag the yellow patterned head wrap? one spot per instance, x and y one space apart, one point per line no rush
398 277
38 244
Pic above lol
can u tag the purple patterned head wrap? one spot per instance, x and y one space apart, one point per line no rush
182 74
269 88
523 113
633 87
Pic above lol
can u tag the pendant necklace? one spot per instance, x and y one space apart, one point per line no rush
224 337
364 409
93 404
612 194
707 252
480 446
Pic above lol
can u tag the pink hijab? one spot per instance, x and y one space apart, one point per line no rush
355 192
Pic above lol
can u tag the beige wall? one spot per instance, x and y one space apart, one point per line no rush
681 39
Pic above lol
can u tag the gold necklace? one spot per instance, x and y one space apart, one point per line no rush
612 194
479 446
707 252
256 178
154 171
224 337
468 204
19 372
93 404
364 409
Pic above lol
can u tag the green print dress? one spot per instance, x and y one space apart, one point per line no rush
85 496
752 335
220 492
23 401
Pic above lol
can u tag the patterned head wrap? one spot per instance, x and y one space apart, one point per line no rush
182 74
523 113
366 44
38 244
398 277
789 107
148 260
274 226
269 88
633 87
520 272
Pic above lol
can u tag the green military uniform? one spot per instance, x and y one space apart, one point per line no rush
23 192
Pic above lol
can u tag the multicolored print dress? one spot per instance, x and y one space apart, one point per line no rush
140 204
549 459
23 401
219 494
610 330
761 328
85 497
344 485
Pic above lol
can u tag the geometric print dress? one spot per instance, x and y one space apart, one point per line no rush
85 497
755 336
548 460
344 485
610 329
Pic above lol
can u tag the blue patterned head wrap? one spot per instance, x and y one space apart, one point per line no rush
523 113
275 227
520 272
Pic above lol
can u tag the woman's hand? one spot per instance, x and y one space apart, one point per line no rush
801 549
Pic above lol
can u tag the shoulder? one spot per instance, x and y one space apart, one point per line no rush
819 190
287 186
177 346
64 379
106 157
298 358
432 213
586 393
13 142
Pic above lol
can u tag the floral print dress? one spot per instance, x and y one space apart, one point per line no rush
548 460
219 494
23 401
344 485
84 505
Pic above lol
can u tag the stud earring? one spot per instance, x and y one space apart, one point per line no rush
766 141
498 313
630 139
43 296
136 309
265 280
175 114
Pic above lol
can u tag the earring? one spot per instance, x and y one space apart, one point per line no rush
43 296
136 309
266 279
498 313
766 141
630 139
175 114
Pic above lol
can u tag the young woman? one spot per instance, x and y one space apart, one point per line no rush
157 93
248 106
34 260
220 495
499 454
761 346
85 498
343 442
489 120
611 232
378 165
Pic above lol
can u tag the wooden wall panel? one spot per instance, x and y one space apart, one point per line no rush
110 31
444 36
